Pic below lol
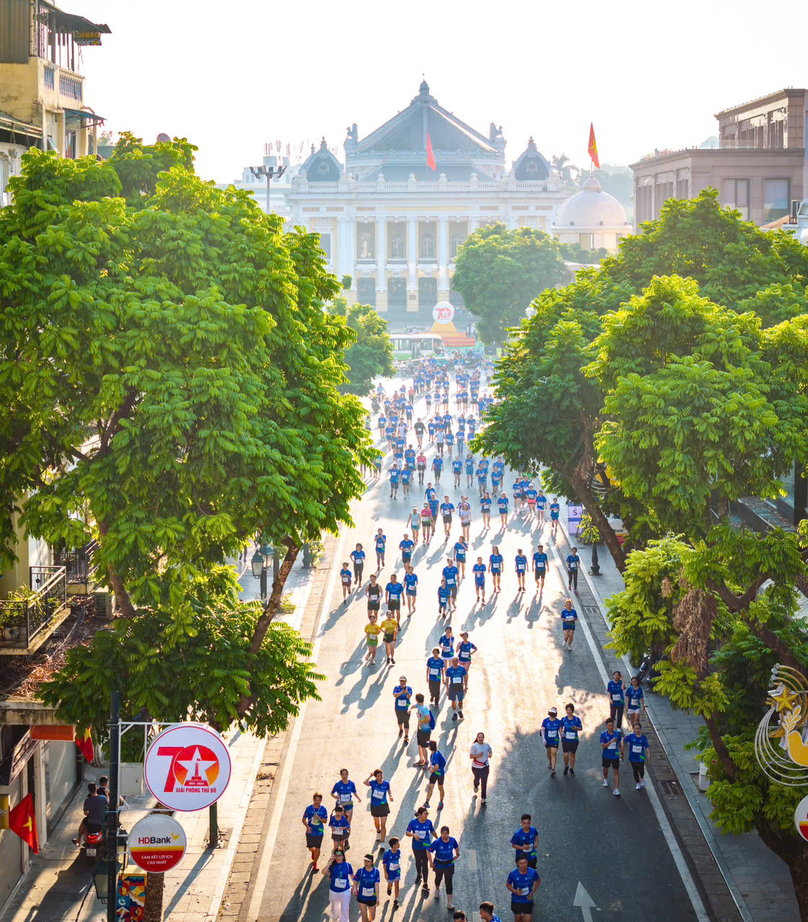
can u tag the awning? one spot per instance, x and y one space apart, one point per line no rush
86 116
67 22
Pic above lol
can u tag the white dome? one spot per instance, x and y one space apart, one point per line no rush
591 208
804 237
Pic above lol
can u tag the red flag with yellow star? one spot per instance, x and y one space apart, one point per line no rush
593 147
22 821
430 154
85 744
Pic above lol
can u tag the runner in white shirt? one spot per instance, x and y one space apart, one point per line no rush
480 754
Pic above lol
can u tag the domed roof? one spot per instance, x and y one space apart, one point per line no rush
804 237
591 207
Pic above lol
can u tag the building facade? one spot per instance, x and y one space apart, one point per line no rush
392 222
758 168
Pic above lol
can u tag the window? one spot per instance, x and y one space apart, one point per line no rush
683 188
396 242
427 294
776 193
585 241
70 143
736 195
365 240
366 292
426 249
396 292
325 245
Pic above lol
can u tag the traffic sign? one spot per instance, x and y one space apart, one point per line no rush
801 818
443 312
187 767
157 842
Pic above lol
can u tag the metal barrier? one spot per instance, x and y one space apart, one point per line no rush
23 619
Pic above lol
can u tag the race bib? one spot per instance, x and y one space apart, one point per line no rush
457 679
402 703
378 795
340 883
636 749
393 866
523 891
419 833
552 733
368 891
617 697
434 674
344 798
571 735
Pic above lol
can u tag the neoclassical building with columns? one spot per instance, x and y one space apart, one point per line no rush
392 223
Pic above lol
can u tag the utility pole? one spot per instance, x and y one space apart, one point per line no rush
112 807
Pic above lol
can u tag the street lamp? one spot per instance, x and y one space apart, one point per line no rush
260 566
271 172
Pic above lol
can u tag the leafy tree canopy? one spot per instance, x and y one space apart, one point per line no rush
371 353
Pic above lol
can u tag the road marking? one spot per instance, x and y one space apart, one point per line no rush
279 793
584 902
472 862
653 797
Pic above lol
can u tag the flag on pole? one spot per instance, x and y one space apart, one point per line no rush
23 821
593 147
430 156
85 744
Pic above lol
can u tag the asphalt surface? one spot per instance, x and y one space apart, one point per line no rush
613 846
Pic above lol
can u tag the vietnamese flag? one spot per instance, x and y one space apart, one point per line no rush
85 744
593 147
22 821
430 156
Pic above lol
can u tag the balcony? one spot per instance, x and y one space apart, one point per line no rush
28 621
79 568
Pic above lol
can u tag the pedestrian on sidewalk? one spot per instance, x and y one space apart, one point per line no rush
345 577
380 794
568 618
573 563
424 730
456 685
638 754
372 631
611 742
480 754
523 882
392 869
421 831
434 675
366 888
555 513
402 695
314 818
617 699
570 728
550 733
495 562
437 765
358 557
635 701
339 873
443 853
380 540
525 841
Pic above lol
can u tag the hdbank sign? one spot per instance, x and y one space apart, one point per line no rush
157 842
188 767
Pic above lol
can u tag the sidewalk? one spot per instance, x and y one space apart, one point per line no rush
758 880
59 883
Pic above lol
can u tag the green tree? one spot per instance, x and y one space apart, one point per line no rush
170 379
500 271
567 170
371 353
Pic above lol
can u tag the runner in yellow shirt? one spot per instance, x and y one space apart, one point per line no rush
390 628
372 630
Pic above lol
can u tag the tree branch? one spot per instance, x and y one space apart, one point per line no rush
128 610
721 748
111 427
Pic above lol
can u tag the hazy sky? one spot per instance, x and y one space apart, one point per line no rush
230 76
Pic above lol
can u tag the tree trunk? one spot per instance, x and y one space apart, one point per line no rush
721 748
271 609
153 910
592 506
128 610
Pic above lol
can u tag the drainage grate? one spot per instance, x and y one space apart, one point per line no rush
671 788
591 609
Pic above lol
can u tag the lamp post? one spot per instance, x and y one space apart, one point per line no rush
260 566
271 172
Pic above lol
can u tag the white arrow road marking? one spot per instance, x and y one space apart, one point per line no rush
584 901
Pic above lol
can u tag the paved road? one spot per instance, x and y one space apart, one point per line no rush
614 846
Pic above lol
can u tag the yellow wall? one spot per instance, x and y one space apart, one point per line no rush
19 90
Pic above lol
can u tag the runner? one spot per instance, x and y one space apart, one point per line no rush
469 470
460 438
523 882
479 569
430 426
482 476
432 497
392 869
611 742
638 754
635 700
437 765
380 794
457 470
389 633
570 728
444 598
421 831
540 561
373 593
420 465
518 496
550 732
340 829
443 853
394 590
464 511
446 510
339 889
366 887
343 793
358 557
395 478
460 551
449 440
446 643
480 755
380 540
437 467
450 574
465 650
402 695
414 524
434 675
457 679
440 439
410 588
502 504
372 631
405 546
345 576
617 700
487 912
427 522
495 562
531 495
573 562
419 428
521 569
541 503
525 841
406 480
568 618
555 512
313 818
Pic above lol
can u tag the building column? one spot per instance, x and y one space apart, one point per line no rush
412 252
474 223
381 253
443 257
346 249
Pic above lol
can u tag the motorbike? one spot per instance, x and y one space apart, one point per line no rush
93 843
646 666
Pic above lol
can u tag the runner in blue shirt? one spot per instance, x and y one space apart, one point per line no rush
456 685
446 510
340 828
522 883
430 426
555 512
541 502
530 497
339 873
343 793
570 728
405 546
525 840
521 569
410 588
443 853
314 816
479 569
409 456
482 477
421 831
437 467
568 618
617 699
457 470
450 441
406 480
380 540
437 767
573 562
446 643
550 732
345 576
469 470
392 869
358 558
638 754
635 701
460 550
495 562
380 794
382 423
496 480
465 650
540 561
367 880
461 441
517 495
487 912
434 675
394 590
443 598
502 503
450 574
611 742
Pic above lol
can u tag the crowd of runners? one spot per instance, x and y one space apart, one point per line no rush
447 672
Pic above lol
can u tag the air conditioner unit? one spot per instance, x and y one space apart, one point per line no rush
104 602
